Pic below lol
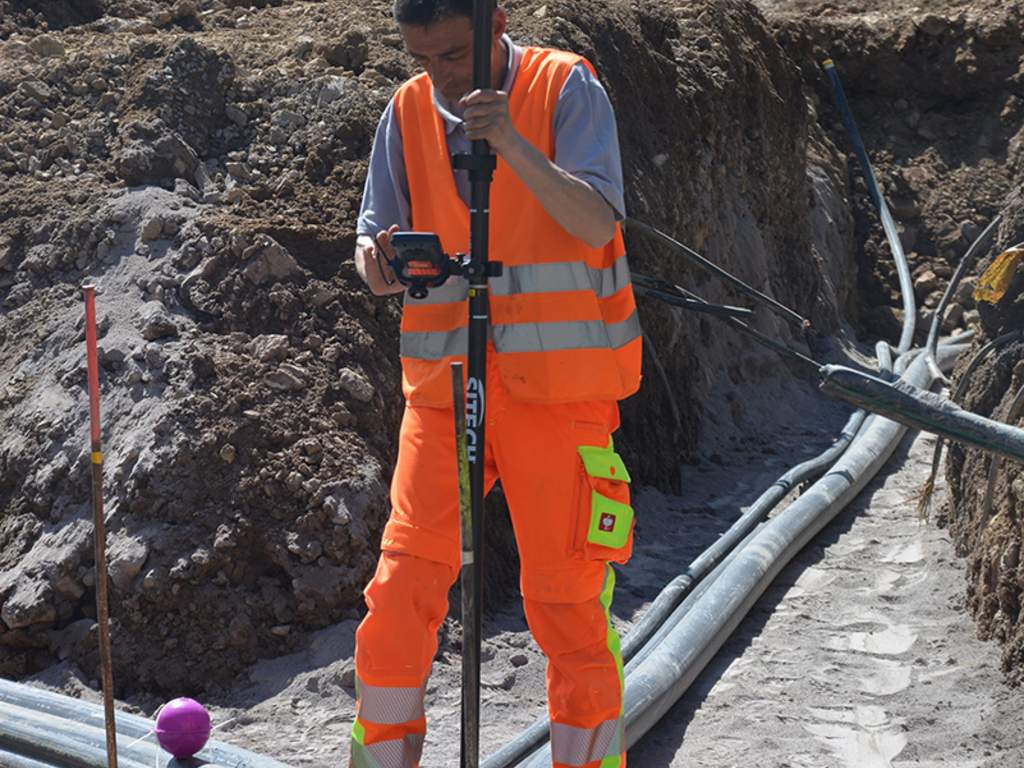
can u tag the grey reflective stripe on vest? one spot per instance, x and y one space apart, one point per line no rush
552 337
538 278
434 345
525 337
395 753
388 706
579 746
561 276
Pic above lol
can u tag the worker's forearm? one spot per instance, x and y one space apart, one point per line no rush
574 204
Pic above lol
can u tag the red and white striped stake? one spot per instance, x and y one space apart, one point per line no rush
99 526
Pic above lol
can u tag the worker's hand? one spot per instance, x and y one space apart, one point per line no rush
487 116
372 255
384 252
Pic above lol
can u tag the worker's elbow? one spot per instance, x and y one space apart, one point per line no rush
599 237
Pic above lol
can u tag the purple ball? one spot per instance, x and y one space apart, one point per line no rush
182 727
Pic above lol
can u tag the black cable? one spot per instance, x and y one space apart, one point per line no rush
782 310
681 293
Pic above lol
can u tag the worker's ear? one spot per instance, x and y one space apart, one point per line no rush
499 23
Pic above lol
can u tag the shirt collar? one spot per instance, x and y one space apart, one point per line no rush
449 113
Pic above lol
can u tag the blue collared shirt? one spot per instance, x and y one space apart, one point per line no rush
586 145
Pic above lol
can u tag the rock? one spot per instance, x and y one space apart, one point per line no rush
150 153
350 52
186 10
281 630
908 237
331 91
506 683
287 378
954 317
356 385
6 253
236 115
69 587
154 356
519 660
126 556
225 538
152 228
347 678
154 579
925 283
28 604
965 291
269 260
933 25
969 230
46 46
35 89
239 171
201 557
40 258
270 347
337 510
155 321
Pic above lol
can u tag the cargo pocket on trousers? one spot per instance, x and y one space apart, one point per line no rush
605 524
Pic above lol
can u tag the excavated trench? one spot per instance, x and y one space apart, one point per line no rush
941 95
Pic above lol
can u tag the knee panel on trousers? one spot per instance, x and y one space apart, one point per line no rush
407 600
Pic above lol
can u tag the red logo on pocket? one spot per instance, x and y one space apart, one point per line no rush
607 523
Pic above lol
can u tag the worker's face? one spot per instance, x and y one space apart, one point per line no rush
445 50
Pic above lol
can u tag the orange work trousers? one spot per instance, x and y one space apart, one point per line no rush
568 495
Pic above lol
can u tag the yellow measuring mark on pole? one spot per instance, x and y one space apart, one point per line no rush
992 285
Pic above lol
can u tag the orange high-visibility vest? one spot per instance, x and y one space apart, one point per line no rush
563 316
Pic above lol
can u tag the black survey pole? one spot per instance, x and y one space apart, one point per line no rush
480 164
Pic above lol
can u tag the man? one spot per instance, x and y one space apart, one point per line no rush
564 348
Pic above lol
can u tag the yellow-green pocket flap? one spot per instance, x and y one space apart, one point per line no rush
603 462
610 522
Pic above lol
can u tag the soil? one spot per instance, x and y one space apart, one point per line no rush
202 162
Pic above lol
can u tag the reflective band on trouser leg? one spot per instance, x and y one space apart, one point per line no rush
389 728
604 745
388 706
389 747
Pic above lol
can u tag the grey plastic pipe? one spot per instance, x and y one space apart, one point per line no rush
40 729
977 248
918 408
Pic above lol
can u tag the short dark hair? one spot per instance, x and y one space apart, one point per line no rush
424 12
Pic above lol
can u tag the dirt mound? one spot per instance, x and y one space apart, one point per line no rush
205 170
